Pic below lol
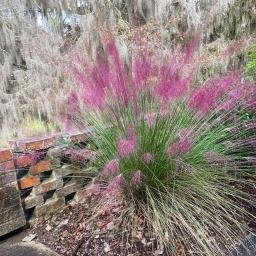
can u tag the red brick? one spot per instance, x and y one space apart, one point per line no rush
24 160
35 143
5 155
80 155
28 182
42 166
6 166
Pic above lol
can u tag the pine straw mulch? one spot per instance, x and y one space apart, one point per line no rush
83 229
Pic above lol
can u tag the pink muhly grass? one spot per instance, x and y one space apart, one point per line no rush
137 179
100 73
118 77
116 184
68 122
132 134
150 119
73 102
235 96
79 155
110 168
243 91
179 147
93 88
147 157
126 147
172 87
250 142
95 97
215 157
252 125
202 99
184 132
227 82
93 189
164 111
228 105
72 107
173 82
79 76
95 93
142 70
93 80
208 95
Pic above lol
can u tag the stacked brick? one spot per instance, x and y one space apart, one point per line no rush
36 178
11 212
32 165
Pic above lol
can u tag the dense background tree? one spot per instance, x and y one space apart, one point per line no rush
37 38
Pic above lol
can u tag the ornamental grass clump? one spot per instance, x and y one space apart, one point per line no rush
178 151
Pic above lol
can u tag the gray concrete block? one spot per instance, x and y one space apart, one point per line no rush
50 206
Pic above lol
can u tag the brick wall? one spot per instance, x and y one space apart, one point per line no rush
11 213
38 178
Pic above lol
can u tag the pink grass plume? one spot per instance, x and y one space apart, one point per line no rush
148 157
179 147
111 168
137 179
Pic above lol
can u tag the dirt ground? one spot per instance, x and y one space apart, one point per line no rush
83 229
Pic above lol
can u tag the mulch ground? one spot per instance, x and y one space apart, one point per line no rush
94 227
85 229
